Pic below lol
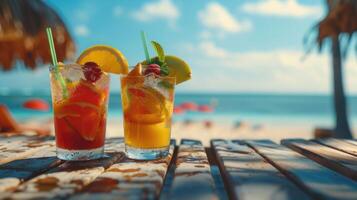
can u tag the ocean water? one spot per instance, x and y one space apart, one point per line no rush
256 108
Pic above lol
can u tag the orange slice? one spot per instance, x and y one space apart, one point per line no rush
145 105
137 71
108 58
83 118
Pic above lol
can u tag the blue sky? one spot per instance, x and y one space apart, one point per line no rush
232 46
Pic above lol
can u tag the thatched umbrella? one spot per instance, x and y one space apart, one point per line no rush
23 36
338 28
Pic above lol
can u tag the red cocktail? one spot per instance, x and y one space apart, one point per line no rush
80 111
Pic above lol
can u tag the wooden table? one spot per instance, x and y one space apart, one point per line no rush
239 169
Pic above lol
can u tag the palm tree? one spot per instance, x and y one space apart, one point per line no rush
336 29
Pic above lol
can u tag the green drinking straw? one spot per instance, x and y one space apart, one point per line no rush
143 40
55 63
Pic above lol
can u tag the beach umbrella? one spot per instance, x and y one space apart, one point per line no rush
205 108
189 106
179 110
36 104
23 36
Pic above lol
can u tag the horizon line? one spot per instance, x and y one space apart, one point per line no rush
47 93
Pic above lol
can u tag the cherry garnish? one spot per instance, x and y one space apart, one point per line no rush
153 69
91 71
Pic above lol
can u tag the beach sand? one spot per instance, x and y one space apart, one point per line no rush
203 131
197 130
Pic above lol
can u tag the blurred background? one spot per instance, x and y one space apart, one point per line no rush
265 68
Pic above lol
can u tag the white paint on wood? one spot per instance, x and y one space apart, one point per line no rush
192 177
251 177
318 180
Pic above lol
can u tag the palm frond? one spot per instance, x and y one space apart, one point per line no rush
22 32
339 22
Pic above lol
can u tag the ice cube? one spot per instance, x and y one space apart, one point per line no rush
163 91
153 81
72 72
103 82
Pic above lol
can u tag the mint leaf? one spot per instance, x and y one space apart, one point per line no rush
160 59
166 85
68 81
159 51
164 70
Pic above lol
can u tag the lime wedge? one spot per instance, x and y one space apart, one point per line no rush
177 68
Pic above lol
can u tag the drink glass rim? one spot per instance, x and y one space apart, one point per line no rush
141 76
51 68
172 78
71 65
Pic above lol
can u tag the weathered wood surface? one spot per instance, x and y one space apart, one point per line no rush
4 140
192 177
319 181
129 179
216 175
354 142
341 145
249 176
67 178
17 171
339 161
29 169
17 147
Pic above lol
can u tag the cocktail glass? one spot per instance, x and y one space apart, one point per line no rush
147 107
80 112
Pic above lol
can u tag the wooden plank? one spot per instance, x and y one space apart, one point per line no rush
17 171
216 174
18 139
192 177
339 144
354 142
336 160
14 148
67 178
6 142
129 179
248 176
319 181
114 145
9 139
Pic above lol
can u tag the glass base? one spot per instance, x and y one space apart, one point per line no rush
77 155
146 154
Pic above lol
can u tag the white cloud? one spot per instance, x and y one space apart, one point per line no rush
117 11
259 59
205 34
279 70
81 30
290 8
162 9
210 49
82 15
216 17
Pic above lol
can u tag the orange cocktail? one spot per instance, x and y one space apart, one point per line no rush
147 106
147 93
